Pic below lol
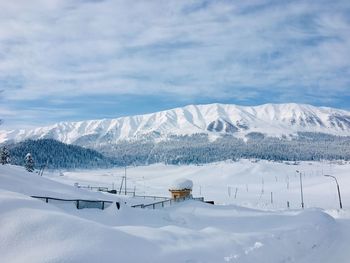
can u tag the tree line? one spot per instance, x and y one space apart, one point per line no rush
198 149
188 149
55 155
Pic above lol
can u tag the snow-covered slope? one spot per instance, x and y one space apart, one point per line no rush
34 231
214 119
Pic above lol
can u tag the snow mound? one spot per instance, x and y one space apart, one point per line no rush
182 184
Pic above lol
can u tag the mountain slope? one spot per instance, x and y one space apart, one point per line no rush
214 119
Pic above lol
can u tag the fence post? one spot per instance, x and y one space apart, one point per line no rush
103 205
47 200
77 204
288 204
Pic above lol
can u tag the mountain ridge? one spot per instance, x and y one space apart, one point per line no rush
215 119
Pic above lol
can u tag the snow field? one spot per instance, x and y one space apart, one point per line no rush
253 181
33 231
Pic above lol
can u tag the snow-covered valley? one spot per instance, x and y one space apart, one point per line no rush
253 179
243 226
174 131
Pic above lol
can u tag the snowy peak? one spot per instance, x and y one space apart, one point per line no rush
212 119
222 126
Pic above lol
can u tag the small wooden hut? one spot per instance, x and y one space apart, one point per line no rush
181 188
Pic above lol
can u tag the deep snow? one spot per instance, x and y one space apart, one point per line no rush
33 231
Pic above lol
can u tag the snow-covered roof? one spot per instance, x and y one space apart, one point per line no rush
181 184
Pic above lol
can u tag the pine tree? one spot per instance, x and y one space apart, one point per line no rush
29 163
4 156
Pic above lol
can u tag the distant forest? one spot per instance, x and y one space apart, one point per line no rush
198 149
54 155
194 149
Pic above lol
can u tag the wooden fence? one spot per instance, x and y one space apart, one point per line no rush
80 203
168 202
129 193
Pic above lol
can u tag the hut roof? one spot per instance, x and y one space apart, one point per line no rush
182 184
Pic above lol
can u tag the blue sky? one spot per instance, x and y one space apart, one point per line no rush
89 59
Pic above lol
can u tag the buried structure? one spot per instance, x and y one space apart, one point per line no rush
181 188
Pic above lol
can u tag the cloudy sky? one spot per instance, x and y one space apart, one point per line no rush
89 59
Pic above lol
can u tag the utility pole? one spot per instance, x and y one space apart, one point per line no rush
125 179
301 189
271 198
144 185
336 181
236 192
121 185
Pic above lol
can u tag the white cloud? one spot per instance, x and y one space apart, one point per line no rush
189 48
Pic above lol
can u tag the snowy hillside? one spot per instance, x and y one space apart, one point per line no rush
212 119
35 231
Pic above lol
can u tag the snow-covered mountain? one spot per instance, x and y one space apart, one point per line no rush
213 119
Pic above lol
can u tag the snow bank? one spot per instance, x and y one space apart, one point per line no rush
34 231
17 179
